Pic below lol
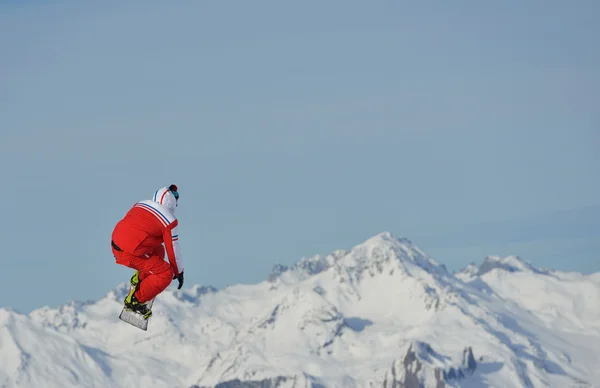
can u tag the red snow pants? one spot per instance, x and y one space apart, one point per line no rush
155 273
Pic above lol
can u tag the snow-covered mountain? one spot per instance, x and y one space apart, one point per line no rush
382 314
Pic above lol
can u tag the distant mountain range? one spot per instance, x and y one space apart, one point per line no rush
382 314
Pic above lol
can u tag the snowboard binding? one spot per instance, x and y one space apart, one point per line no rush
135 312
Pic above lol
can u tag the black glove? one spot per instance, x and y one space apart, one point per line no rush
179 279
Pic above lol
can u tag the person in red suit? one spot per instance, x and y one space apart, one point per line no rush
139 241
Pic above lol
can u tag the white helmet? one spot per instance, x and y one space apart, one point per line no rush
167 196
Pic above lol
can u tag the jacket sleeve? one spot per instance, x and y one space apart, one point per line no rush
171 239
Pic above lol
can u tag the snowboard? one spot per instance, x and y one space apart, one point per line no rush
136 319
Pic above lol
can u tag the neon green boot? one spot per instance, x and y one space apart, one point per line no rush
133 304
135 279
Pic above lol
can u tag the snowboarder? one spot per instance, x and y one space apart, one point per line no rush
137 242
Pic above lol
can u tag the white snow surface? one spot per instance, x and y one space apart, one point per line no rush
347 319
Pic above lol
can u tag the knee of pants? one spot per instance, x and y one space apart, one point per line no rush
160 280
153 284
165 278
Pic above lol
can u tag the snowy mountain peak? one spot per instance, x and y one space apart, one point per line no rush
376 252
5 316
510 264
468 273
386 246
387 237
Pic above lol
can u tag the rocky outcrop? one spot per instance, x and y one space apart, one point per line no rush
415 370
299 381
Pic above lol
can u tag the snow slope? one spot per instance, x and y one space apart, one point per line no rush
382 314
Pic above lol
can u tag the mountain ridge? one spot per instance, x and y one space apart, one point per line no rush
382 313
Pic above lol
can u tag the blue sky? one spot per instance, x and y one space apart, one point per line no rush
294 129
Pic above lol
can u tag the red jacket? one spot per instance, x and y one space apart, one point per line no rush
147 225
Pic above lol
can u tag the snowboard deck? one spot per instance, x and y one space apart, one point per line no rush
136 319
